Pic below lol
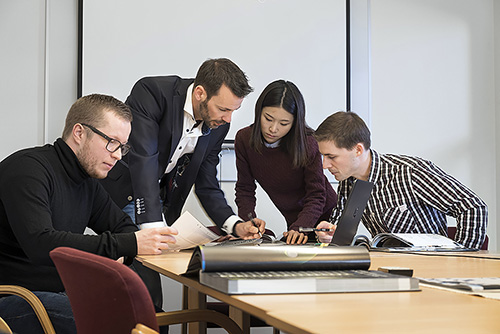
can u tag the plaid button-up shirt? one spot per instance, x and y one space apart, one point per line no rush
413 195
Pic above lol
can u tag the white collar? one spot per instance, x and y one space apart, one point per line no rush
273 145
188 105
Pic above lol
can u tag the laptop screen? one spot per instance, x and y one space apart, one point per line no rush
347 226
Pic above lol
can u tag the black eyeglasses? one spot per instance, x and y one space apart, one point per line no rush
113 145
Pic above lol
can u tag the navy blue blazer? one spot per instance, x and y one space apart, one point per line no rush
157 104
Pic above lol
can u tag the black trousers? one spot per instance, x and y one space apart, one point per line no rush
152 281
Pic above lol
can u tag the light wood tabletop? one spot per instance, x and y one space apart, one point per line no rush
429 310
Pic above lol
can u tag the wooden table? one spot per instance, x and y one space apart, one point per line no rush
430 310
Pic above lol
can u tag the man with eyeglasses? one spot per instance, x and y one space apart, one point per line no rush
49 195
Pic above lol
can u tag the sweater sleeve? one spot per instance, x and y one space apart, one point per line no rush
315 192
107 217
31 206
245 184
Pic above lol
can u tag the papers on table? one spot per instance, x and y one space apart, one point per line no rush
427 240
192 233
488 287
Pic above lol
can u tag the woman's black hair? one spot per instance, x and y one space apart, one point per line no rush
284 94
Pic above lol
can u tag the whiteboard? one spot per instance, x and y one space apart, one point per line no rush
296 40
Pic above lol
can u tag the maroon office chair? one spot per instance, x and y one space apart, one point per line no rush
109 297
452 230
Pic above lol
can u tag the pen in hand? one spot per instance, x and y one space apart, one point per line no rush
312 229
254 224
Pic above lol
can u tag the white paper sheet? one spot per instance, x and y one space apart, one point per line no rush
192 233
477 286
427 240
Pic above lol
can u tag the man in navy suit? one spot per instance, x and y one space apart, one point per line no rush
177 133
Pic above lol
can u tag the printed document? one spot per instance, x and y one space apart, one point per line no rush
192 233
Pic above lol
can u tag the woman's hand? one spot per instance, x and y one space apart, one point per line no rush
295 237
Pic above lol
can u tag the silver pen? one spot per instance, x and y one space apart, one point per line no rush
313 229
254 223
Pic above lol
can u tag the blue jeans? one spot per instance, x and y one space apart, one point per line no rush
150 277
21 318
129 209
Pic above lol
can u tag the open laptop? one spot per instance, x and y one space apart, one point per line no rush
347 226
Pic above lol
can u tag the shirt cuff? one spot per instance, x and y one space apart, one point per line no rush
160 223
229 224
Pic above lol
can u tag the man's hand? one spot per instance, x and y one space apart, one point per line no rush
325 237
295 237
251 229
154 240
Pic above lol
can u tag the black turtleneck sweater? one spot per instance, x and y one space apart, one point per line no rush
47 200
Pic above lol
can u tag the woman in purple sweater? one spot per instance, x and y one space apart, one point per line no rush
279 152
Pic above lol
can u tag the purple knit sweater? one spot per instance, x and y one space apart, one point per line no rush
303 195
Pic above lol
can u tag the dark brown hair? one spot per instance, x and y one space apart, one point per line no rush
346 129
213 73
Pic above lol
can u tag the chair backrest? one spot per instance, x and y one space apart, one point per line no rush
141 329
106 296
452 230
4 328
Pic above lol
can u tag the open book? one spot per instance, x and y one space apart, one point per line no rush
410 242
271 269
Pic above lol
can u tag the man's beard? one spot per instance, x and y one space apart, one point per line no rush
212 124
88 163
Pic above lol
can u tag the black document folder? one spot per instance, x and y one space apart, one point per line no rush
273 269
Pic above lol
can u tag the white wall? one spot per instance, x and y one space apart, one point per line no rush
496 42
61 64
296 40
433 88
22 69
38 70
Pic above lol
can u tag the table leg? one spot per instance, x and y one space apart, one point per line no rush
185 289
197 300
241 318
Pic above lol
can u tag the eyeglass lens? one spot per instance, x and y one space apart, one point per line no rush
113 145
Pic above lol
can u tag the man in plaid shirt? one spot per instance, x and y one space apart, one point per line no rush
410 194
